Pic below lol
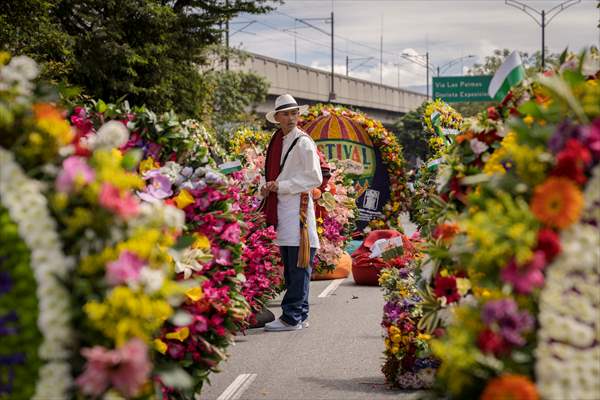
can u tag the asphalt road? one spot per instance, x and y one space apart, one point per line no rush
337 358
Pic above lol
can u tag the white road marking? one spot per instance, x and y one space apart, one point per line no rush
237 387
332 286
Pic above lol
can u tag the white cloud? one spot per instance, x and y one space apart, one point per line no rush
448 29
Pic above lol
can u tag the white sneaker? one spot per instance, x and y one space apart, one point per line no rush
305 324
280 326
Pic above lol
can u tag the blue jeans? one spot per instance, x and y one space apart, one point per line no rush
297 284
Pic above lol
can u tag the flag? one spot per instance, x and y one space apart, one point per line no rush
510 73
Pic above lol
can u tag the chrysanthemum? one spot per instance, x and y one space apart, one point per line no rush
557 202
510 387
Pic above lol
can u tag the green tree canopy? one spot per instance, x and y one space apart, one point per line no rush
148 50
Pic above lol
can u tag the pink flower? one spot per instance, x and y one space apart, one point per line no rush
223 257
527 277
126 369
123 204
75 170
231 233
126 269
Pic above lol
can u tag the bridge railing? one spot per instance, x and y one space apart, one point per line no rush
314 84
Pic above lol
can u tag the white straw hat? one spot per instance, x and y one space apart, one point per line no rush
282 103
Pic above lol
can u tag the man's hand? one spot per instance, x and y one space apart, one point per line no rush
272 186
264 191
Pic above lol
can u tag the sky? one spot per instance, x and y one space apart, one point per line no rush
450 30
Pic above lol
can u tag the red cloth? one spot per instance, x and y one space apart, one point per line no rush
365 270
272 169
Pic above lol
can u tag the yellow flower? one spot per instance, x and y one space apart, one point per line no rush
160 346
148 164
180 334
183 199
4 57
195 293
463 285
393 330
394 349
201 242
423 336
50 120
528 120
396 338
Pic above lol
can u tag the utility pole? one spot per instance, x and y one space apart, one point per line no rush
303 20
332 93
381 59
227 38
347 62
553 12
427 69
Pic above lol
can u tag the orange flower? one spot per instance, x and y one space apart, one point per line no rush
557 202
510 387
446 231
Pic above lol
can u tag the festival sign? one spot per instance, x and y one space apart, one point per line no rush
339 137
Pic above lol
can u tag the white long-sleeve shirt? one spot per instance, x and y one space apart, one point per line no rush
301 173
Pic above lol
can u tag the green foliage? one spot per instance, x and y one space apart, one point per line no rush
411 135
531 62
29 28
148 50
20 298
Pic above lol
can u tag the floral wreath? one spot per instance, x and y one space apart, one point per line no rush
391 154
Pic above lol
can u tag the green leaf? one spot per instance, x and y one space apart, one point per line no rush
131 159
183 242
101 106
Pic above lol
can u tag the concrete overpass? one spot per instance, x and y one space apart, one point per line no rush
310 86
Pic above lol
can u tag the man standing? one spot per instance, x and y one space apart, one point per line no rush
292 170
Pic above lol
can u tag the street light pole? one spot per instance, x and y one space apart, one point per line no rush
543 14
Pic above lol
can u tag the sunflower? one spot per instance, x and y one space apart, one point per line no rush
510 387
557 202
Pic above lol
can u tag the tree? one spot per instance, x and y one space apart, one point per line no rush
147 50
532 63
410 133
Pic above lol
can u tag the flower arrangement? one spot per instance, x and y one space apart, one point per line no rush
408 360
335 211
99 258
391 153
176 169
531 203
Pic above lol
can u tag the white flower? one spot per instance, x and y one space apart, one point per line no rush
27 207
478 146
151 279
189 260
112 134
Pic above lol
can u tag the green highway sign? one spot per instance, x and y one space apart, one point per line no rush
453 89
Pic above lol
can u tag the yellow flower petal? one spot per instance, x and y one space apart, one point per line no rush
183 199
160 346
194 293
180 334
201 242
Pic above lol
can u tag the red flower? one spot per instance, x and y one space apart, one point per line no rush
572 162
493 114
445 286
549 243
489 342
446 231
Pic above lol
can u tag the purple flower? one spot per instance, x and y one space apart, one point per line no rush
159 187
564 131
75 170
505 315
5 282
590 135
